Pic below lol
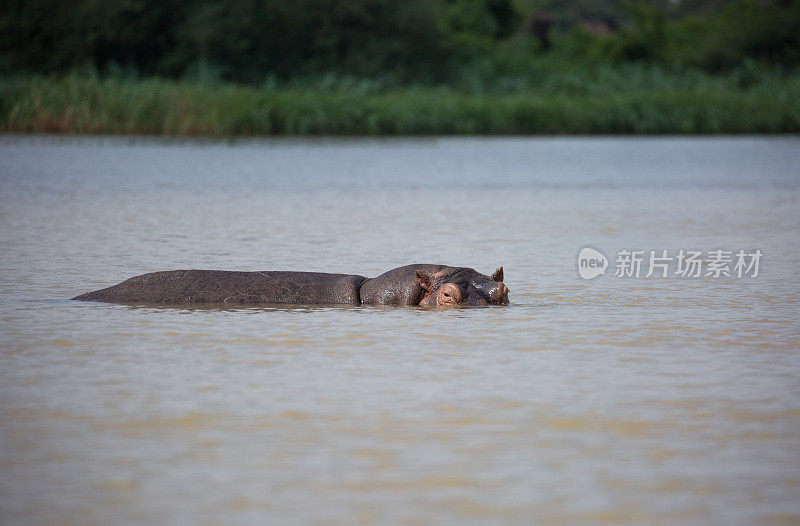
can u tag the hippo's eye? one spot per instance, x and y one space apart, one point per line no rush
449 295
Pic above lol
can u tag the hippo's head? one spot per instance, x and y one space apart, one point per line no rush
462 286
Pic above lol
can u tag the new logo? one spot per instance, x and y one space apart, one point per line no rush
591 263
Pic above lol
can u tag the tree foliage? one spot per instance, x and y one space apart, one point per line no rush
408 42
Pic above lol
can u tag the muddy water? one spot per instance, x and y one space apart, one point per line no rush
614 400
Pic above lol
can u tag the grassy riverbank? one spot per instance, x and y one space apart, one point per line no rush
90 104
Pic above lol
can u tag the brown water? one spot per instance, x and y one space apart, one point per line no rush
615 400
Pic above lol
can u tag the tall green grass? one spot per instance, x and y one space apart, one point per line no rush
642 103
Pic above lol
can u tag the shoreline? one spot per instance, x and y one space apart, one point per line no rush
158 107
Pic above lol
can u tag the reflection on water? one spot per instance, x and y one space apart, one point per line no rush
606 401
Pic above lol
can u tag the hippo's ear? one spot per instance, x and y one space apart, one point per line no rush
498 275
424 281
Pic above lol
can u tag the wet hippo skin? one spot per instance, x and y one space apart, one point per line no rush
423 284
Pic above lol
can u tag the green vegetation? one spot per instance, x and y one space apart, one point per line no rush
76 104
380 67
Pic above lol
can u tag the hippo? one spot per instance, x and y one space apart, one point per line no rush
424 285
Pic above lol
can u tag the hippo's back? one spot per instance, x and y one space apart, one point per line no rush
222 286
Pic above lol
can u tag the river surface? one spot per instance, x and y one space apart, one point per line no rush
619 399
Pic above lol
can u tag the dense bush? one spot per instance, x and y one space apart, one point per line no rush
245 39
389 67
478 43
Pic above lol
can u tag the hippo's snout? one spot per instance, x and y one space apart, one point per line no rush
500 294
